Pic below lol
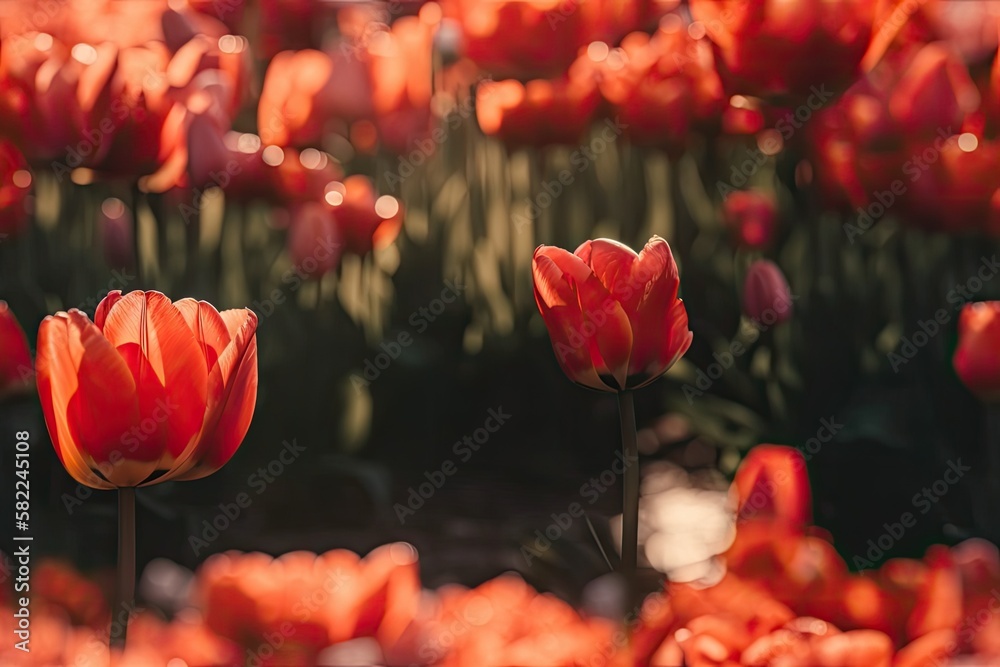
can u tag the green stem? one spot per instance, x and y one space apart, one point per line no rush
630 501
125 590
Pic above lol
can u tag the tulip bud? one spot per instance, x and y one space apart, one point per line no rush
766 295
977 356
772 482
15 358
752 218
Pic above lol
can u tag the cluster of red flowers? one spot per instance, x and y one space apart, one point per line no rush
152 90
660 86
114 88
919 133
920 101
149 93
303 609
786 600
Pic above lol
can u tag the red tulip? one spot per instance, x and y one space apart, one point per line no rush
401 71
304 90
523 38
15 184
772 482
977 356
314 600
150 391
662 86
15 357
614 317
920 116
752 218
541 112
506 622
787 49
766 295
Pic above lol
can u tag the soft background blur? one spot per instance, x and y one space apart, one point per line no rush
215 149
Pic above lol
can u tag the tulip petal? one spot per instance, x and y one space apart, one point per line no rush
232 397
603 325
88 397
57 382
559 303
210 330
105 408
562 317
660 319
757 491
613 264
105 306
167 364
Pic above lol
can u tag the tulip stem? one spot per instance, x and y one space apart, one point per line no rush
630 501
125 590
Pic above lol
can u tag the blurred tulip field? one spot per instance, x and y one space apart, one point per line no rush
499 333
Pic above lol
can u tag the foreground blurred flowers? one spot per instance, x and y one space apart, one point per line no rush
614 317
149 391
787 600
